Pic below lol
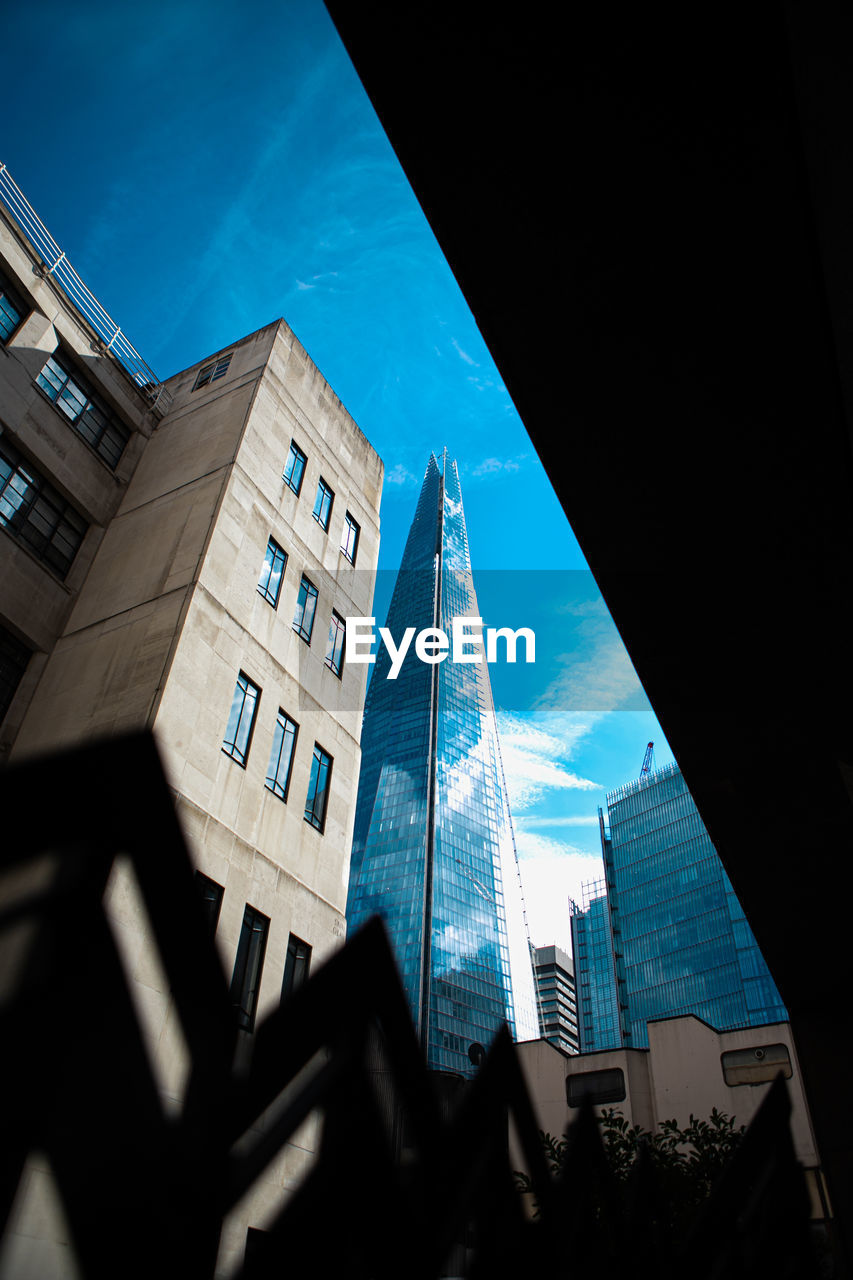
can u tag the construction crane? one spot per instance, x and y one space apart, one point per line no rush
648 761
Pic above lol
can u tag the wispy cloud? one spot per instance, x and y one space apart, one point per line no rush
400 475
535 757
464 355
497 466
526 821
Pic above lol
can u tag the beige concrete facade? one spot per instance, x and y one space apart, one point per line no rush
687 1070
160 613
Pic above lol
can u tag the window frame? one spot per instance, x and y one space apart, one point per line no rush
210 894
295 455
249 966
14 303
272 781
610 1082
337 641
320 760
351 527
98 426
272 598
212 371
324 490
311 594
39 507
296 967
231 749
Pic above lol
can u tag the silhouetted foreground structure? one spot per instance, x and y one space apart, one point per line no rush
144 1191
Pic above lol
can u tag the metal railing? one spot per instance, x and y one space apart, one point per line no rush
55 265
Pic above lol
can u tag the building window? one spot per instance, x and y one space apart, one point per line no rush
757 1065
86 415
36 515
269 584
295 468
335 651
318 788
210 372
11 311
306 604
295 966
14 657
210 894
598 1087
349 544
241 721
323 504
246 979
281 759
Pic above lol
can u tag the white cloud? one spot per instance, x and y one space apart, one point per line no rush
494 466
400 475
551 873
528 820
533 756
464 354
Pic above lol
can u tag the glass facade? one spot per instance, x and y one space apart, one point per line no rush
432 848
681 943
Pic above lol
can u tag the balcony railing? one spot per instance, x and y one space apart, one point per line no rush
54 265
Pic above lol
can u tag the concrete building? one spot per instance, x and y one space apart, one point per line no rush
181 557
687 1069
556 999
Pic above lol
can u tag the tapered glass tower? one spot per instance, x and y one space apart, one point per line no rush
433 851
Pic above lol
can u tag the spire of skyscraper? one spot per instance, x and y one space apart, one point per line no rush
433 852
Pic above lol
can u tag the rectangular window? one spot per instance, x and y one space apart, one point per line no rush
11 311
335 651
281 759
295 468
295 966
14 657
306 604
323 504
35 515
246 979
86 415
241 721
756 1065
607 1085
210 372
269 584
318 788
211 900
349 544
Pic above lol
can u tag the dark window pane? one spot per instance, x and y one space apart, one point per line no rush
296 965
211 899
318 788
11 311
210 372
91 420
35 514
246 979
599 1087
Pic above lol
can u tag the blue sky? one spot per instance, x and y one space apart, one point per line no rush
208 167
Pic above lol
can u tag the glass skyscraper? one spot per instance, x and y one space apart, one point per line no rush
433 852
665 933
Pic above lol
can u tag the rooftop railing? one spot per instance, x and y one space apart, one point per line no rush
54 265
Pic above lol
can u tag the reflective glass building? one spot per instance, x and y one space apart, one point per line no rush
433 852
680 941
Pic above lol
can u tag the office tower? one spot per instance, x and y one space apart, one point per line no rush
665 933
433 851
180 556
556 997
